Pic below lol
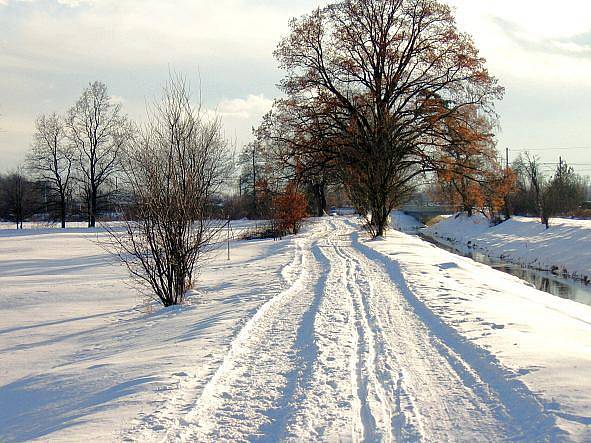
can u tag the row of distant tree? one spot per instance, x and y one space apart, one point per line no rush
562 192
74 163
24 197
527 190
532 192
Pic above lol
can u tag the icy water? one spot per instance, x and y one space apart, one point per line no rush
567 288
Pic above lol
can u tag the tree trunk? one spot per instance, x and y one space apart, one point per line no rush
506 208
380 228
381 222
545 218
92 209
63 210
320 198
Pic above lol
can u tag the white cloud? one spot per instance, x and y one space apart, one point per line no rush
538 19
118 100
529 39
129 33
131 45
51 49
251 106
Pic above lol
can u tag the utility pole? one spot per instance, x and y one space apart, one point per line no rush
506 198
228 237
507 159
254 180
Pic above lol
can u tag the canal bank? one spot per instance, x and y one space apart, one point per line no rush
560 286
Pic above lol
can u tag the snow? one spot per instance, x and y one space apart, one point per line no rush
542 340
80 354
565 247
324 336
404 222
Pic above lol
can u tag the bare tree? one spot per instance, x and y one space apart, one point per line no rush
99 132
51 159
251 166
529 166
296 148
174 166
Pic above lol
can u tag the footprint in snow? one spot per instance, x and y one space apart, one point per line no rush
444 266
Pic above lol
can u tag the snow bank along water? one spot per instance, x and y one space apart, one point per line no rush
564 248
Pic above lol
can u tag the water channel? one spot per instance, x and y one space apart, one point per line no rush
546 281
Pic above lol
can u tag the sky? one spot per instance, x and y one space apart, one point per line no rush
51 49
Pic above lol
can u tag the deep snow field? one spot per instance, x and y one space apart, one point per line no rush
319 337
565 247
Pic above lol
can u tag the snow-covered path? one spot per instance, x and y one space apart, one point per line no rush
346 353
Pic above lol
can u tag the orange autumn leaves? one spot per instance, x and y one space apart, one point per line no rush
470 176
289 210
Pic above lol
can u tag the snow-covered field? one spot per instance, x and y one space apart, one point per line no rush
320 337
565 247
80 353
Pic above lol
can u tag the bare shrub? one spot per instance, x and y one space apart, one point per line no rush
175 164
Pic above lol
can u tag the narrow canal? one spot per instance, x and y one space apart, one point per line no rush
546 281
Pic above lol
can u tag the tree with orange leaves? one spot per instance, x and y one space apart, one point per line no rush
289 210
469 174
372 75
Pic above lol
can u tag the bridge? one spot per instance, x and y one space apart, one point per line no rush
425 212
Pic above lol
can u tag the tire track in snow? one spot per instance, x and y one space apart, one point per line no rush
432 400
328 408
473 397
379 386
179 398
249 394
345 353
345 329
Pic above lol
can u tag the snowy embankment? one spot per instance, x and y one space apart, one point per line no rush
404 222
563 248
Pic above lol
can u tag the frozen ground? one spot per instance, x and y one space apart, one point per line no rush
565 247
321 337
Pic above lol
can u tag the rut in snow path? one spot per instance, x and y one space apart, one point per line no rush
516 412
424 396
249 395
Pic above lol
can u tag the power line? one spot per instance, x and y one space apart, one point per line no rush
549 149
569 164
